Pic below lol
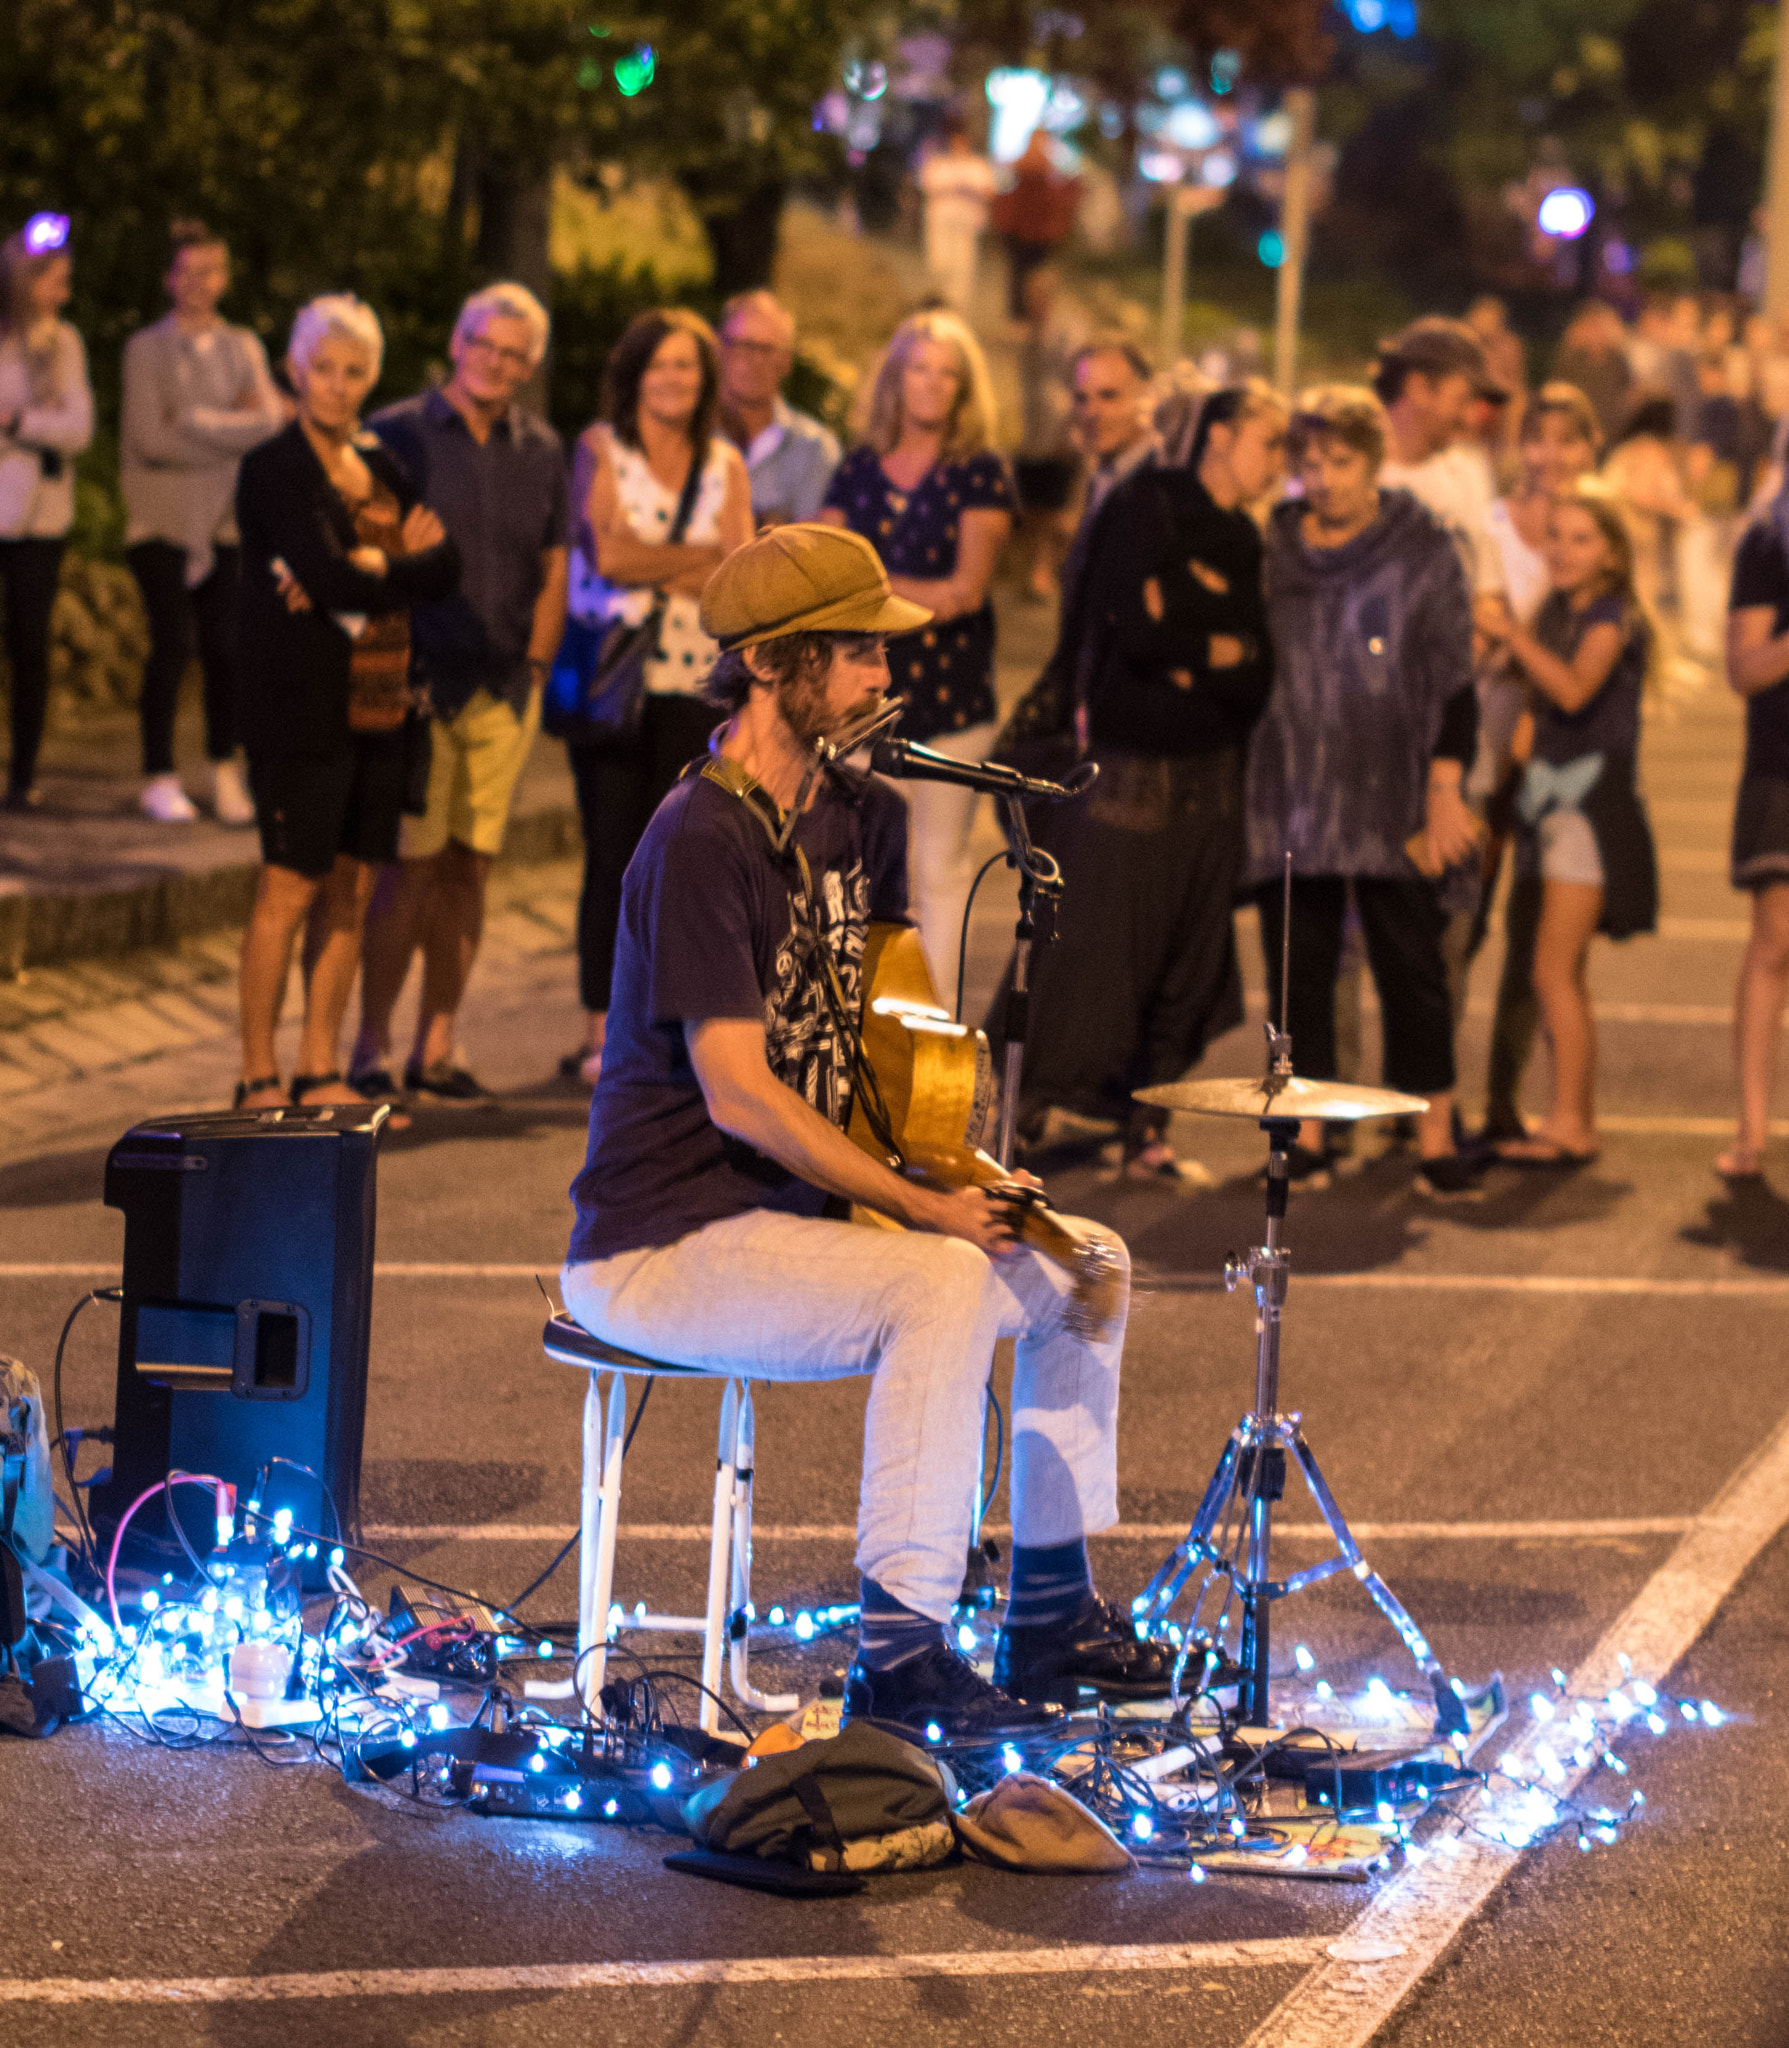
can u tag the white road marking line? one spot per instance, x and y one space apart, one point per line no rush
524 1977
1121 1532
1423 1910
1714 1289
1715 1286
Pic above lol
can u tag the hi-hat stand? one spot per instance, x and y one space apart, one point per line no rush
1230 1542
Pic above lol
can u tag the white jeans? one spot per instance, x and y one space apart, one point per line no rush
940 865
773 1297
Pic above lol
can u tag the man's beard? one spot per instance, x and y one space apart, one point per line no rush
802 701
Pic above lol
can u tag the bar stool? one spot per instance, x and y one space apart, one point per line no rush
728 1610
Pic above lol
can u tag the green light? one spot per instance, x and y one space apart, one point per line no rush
599 28
590 74
633 73
1271 250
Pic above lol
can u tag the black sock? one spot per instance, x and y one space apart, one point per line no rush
891 1634
1050 1582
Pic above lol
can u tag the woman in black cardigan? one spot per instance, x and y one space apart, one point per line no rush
1167 646
335 548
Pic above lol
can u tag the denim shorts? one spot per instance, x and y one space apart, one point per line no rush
1563 848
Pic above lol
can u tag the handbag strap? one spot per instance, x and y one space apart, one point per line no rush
686 498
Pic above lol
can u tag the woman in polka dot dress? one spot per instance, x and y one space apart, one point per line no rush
931 494
660 394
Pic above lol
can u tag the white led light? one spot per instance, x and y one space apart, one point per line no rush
1712 1714
804 1627
611 1807
1011 1758
1303 1658
1196 1874
661 1777
934 1733
1540 1706
1142 1827
775 1617
966 1640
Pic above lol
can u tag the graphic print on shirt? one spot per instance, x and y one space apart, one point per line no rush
801 1041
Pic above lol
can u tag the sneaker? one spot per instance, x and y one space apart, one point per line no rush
1096 1648
1449 1178
166 802
939 1697
444 1082
231 803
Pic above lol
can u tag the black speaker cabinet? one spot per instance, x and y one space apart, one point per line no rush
248 1294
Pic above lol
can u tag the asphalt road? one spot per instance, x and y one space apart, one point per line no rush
1428 1401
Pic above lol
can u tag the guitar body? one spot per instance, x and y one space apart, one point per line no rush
937 1083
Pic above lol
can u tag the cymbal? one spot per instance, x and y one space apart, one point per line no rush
1333 1101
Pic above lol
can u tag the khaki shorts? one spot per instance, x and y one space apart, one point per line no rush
476 758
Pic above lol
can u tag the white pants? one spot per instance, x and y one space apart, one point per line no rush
774 1297
950 260
940 865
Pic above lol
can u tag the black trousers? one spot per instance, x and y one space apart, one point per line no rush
179 618
1402 923
1142 974
620 785
28 572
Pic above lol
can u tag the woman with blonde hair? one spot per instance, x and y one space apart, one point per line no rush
46 419
1583 825
929 492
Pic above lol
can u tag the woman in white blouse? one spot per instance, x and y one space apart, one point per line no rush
46 419
661 392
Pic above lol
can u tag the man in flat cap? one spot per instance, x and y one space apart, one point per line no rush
718 1160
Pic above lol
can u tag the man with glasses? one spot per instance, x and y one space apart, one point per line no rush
789 455
494 473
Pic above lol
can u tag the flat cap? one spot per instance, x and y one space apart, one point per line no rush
805 578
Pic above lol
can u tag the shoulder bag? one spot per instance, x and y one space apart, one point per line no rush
597 688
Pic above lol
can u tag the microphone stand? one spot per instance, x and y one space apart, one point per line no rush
1040 891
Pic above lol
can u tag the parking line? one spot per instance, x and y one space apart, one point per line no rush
1603 1531
1081 1960
1715 1286
1422 1910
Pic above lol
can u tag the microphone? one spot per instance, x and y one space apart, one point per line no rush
908 761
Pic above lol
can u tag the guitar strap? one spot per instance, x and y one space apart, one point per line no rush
739 781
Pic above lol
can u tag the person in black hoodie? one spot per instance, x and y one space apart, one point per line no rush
1173 666
1357 765
335 548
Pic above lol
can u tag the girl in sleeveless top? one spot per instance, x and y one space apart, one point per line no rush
661 390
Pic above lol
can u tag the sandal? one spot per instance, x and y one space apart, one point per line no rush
262 1082
308 1084
1741 1163
1543 1155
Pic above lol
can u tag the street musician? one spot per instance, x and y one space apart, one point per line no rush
710 1210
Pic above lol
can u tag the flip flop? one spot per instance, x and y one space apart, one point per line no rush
1170 1171
1555 1159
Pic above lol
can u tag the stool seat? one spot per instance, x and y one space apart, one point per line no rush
570 1343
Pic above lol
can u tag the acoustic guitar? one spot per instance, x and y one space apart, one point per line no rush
937 1084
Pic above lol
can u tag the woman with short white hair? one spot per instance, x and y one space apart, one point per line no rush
336 546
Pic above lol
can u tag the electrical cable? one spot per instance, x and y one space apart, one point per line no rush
149 1492
963 936
571 1542
90 1549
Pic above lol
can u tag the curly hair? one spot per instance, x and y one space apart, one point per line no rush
790 657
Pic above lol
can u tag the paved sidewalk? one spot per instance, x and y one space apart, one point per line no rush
87 876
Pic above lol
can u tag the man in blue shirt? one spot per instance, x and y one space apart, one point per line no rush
494 473
789 456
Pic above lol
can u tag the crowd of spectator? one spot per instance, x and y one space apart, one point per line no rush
1399 629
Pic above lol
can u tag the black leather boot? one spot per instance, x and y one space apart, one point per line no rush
1096 1648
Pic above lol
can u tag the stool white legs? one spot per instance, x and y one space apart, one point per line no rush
715 1616
740 1598
600 1513
729 1556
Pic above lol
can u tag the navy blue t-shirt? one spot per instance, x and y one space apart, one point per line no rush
1610 722
708 930
1761 580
